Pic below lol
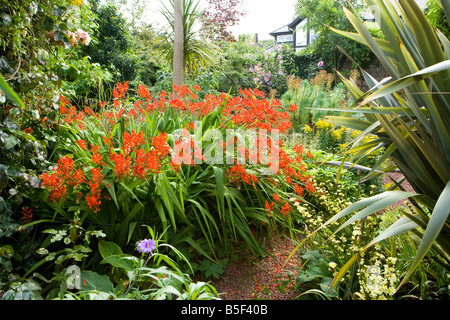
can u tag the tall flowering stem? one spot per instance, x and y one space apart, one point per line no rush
145 246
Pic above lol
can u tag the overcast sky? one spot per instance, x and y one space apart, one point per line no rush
263 16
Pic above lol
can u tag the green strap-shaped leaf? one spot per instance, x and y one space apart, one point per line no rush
389 198
385 197
445 43
384 45
407 81
10 94
437 221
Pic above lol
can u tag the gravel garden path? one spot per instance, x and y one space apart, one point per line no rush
271 277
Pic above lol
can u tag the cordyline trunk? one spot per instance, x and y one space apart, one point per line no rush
178 44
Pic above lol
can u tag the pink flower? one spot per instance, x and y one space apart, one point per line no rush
83 37
320 64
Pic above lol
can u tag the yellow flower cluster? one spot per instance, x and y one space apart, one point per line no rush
343 245
77 2
337 134
377 280
323 125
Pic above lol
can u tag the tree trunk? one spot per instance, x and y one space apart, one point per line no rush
178 44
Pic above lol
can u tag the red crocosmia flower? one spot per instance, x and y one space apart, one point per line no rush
27 214
184 90
120 90
97 158
82 144
143 92
122 165
186 151
161 147
89 111
298 190
176 166
298 149
153 162
55 184
309 187
63 100
197 88
65 167
276 197
132 141
65 175
138 104
309 154
132 112
93 198
76 179
285 209
269 207
238 174
108 141
140 166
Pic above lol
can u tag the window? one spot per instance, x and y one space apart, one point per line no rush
284 38
301 33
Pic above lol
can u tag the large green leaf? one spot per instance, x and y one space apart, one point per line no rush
122 261
108 248
93 281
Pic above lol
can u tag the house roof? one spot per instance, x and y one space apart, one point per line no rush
287 29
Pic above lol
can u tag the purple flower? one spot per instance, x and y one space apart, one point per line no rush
146 245
320 64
